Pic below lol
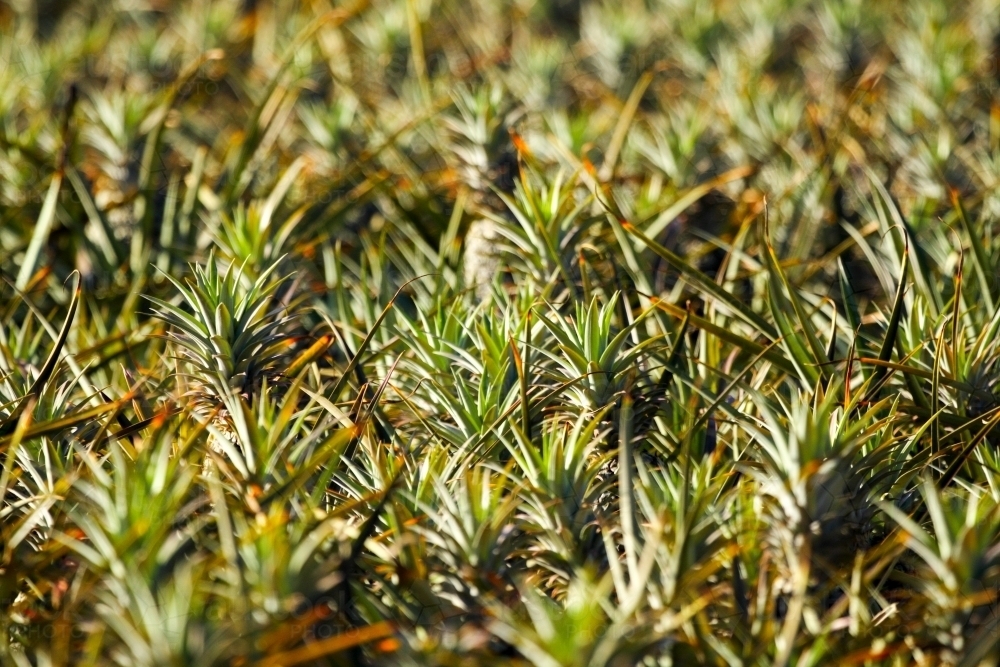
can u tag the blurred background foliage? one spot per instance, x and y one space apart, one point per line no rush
547 332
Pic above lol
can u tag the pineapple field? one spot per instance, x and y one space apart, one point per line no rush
499 332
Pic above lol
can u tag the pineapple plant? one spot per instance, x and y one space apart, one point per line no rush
485 164
231 335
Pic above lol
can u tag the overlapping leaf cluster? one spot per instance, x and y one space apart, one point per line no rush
549 333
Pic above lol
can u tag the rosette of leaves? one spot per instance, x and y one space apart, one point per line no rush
229 330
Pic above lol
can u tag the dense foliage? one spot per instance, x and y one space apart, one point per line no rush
552 332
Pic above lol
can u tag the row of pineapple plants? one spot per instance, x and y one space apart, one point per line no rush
310 357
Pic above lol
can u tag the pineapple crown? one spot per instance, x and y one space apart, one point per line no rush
229 332
481 143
